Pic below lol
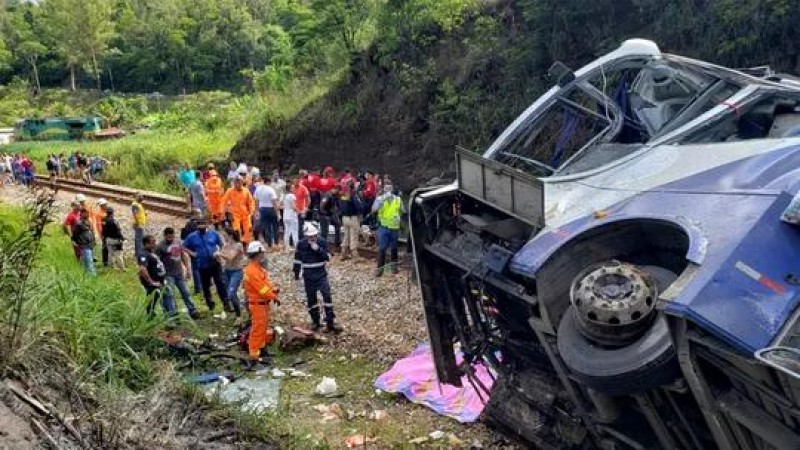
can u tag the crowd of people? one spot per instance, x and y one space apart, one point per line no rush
20 168
76 165
235 223
16 168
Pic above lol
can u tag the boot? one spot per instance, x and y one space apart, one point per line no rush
332 328
346 254
378 272
254 365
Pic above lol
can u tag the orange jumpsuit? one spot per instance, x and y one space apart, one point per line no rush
215 190
259 292
241 204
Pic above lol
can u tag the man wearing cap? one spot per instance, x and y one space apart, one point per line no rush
311 258
112 239
259 291
238 201
390 209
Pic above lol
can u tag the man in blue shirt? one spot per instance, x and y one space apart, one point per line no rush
204 245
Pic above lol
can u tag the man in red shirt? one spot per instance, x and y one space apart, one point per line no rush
345 179
327 183
69 223
312 180
370 188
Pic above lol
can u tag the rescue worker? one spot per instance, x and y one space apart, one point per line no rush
389 208
215 189
310 258
238 201
259 291
139 222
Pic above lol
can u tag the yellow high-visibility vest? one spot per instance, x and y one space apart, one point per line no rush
389 213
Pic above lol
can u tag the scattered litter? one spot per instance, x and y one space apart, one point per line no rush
210 377
358 440
255 395
378 415
224 380
278 373
298 374
436 435
326 387
454 441
221 316
378 392
213 335
329 412
419 440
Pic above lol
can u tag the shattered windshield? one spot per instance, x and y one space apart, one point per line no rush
610 114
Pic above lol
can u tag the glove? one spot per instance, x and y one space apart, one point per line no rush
277 302
314 246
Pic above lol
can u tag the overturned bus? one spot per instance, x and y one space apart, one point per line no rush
618 258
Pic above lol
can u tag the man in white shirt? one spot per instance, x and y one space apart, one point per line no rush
291 227
266 200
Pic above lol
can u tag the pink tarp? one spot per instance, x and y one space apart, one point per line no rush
415 377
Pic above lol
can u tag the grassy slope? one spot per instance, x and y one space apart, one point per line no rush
143 159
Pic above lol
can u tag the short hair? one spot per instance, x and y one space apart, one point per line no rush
148 239
168 231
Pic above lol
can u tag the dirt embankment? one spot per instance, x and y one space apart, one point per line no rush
401 114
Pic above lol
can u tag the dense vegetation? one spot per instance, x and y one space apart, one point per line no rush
177 46
431 81
406 80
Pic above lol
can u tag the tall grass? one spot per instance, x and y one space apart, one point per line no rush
143 160
99 323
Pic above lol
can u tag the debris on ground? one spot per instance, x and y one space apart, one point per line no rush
254 394
326 387
358 440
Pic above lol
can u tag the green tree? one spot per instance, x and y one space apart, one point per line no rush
345 20
24 39
79 31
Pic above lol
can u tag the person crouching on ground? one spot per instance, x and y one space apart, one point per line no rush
152 274
311 257
259 291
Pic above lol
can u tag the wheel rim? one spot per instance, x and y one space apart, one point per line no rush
614 301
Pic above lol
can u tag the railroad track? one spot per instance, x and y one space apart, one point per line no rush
167 204
153 201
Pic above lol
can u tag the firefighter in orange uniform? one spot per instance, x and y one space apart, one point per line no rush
259 292
239 202
215 190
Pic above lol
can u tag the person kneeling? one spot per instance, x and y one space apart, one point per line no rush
259 291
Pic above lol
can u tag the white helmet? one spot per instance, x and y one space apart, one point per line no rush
309 229
255 172
80 198
255 247
102 202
